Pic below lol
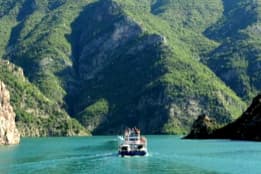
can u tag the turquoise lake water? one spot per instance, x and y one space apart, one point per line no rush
98 155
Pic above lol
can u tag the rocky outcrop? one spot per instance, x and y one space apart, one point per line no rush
247 127
8 131
202 128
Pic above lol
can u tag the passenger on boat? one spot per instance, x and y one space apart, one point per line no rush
137 131
127 133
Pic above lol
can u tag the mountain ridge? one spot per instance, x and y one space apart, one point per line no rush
113 64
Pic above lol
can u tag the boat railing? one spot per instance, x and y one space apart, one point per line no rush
135 140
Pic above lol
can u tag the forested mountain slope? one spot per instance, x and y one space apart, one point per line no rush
147 63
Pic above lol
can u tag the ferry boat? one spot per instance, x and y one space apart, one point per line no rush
132 143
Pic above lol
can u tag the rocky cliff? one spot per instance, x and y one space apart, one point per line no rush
246 127
8 131
202 128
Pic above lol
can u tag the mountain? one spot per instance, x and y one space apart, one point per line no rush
154 64
36 115
246 127
237 59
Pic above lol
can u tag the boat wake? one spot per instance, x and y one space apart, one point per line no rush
58 161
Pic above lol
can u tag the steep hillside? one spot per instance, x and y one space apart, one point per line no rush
36 115
189 19
117 63
38 43
237 59
224 33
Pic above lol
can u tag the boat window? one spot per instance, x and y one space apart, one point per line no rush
133 139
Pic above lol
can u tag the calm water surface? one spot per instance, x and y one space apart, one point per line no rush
98 155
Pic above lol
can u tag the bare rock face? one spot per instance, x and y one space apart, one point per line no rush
8 131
